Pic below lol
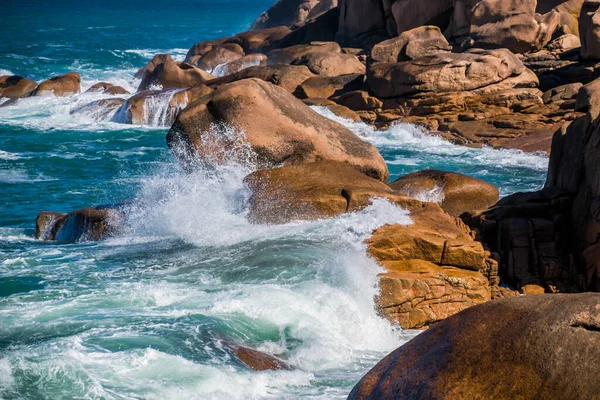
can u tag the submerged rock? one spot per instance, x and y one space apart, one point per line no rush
277 127
88 224
99 110
107 88
259 361
15 86
456 193
531 347
63 85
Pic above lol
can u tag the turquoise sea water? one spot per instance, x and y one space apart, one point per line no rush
152 313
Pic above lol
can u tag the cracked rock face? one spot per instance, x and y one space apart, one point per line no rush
530 347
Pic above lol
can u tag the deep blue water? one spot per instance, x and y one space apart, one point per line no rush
150 314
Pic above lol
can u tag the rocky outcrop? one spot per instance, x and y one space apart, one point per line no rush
172 75
329 86
215 57
589 30
88 224
63 85
456 193
412 44
149 67
288 132
511 24
312 191
529 347
259 361
449 72
292 13
285 76
259 41
15 86
294 54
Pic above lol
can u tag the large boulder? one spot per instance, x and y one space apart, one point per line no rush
15 86
172 75
511 24
456 193
322 28
63 85
415 43
589 30
312 191
149 67
259 40
287 132
531 347
291 13
333 64
215 57
231 67
107 88
448 72
286 76
88 224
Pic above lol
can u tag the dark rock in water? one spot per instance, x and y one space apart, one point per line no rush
456 193
107 88
530 347
15 86
288 131
88 224
321 29
259 361
99 110
63 85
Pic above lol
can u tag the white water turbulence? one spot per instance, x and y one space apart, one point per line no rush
223 69
407 148
154 312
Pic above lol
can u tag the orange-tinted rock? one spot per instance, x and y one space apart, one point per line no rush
287 132
456 193
15 86
293 54
88 224
63 85
171 75
251 60
151 65
329 86
286 76
415 43
529 347
259 361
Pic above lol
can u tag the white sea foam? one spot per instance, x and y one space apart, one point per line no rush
5 72
5 155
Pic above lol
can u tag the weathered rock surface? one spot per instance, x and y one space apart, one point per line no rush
15 86
415 43
288 132
291 13
456 193
434 268
329 86
149 67
107 88
172 75
88 224
217 56
511 24
530 347
311 191
286 76
332 64
251 60
259 361
589 30
294 54
63 85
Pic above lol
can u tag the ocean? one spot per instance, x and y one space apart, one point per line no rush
151 313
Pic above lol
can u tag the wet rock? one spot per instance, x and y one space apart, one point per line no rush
313 191
337 109
15 86
63 85
158 107
215 57
99 110
550 342
415 43
286 76
171 75
288 132
106 88
88 224
456 193
252 60
259 361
